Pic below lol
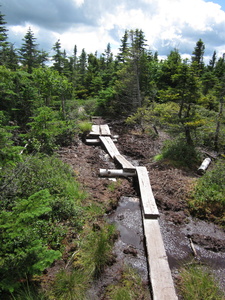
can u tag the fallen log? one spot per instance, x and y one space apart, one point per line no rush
206 162
116 173
92 141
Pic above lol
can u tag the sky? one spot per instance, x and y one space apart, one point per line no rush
92 24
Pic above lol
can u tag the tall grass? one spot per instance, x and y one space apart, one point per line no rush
197 283
96 250
70 285
129 287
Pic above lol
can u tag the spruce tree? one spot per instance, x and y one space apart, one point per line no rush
29 55
58 57
123 48
3 39
198 56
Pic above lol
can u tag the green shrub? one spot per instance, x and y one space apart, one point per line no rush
198 283
70 285
43 172
40 199
23 248
209 194
85 127
180 153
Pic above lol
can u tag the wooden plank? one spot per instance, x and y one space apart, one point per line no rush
109 145
95 130
124 163
159 271
104 130
116 173
150 209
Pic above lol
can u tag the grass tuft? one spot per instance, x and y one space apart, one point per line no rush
199 284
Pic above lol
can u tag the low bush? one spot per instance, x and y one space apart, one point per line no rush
85 127
208 199
179 153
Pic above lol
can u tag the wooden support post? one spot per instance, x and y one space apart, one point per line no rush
116 173
92 141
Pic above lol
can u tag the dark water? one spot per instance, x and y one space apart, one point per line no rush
128 220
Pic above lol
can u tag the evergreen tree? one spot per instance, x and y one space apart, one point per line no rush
12 58
3 31
198 56
58 57
29 54
82 67
123 48
168 68
212 61
3 39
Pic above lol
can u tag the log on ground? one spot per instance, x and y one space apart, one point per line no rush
116 173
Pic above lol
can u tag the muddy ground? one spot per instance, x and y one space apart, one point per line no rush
170 187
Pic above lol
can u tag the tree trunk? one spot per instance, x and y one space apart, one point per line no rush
187 128
216 138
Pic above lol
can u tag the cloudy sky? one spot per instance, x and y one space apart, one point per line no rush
92 24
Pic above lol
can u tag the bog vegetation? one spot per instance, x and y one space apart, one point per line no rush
44 107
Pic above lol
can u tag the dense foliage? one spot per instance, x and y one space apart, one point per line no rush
45 102
209 195
38 196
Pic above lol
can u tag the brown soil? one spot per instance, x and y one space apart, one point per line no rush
170 188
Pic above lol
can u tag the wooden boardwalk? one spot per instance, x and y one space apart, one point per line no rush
109 145
159 271
124 163
149 207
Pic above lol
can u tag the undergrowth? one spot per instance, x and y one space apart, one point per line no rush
198 283
129 287
208 198
178 153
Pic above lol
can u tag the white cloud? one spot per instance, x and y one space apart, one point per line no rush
93 24
79 2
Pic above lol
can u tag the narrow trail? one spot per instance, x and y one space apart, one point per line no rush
170 187
162 285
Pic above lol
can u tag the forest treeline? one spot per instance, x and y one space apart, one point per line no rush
184 95
42 106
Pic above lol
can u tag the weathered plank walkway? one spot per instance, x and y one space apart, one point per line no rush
109 145
159 271
124 163
98 130
160 274
149 207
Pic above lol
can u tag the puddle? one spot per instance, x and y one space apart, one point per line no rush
128 220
